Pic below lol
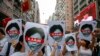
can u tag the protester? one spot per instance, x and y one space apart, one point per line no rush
3 39
19 48
12 31
85 49
85 45
36 34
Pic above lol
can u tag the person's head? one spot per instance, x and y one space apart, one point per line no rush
56 32
70 41
86 29
19 45
34 38
13 30
85 43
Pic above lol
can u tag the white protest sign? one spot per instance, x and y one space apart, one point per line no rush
70 41
35 36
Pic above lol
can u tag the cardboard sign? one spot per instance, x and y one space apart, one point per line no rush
34 36
86 28
56 32
13 29
70 41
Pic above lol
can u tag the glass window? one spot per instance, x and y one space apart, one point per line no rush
83 7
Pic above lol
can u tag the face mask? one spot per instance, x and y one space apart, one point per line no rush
34 46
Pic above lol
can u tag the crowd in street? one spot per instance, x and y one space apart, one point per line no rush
11 47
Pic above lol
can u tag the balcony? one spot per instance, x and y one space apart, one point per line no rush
5 9
8 10
83 4
82 7
17 12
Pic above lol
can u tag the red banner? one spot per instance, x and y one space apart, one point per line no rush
5 21
90 10
32 39
25 5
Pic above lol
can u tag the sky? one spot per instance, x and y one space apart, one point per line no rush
46 7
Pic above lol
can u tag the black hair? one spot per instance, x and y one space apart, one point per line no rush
87 43
54 27
12 25
34 30
68 38
2 31
87 26
18 45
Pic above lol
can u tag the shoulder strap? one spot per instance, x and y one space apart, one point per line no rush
8 49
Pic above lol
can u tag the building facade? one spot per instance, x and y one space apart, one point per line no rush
9 10
60 9
13 9
33 13
64 11
69 15
82 7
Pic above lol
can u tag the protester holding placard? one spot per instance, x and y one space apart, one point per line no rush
56 34
13 31
34 37
86 38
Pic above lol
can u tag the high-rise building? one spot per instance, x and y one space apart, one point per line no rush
28 10
32 14
37 14
9 8
64 11
69 15
60 9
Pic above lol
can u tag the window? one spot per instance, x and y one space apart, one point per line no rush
82 1
83 7
75 2
76 7
90 1
76 12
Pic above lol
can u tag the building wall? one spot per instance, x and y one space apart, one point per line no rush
69 15
60 10
37 15
8 9
64 11
33 13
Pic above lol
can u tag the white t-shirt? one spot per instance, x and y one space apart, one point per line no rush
19 54
49 49
85 52
2 42
3 52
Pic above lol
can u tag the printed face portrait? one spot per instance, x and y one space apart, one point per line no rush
86 29
13 30
56 32
34 38
70 41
